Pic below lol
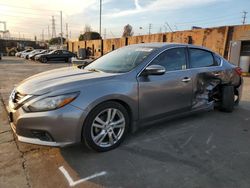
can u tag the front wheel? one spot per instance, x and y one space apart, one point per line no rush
106 126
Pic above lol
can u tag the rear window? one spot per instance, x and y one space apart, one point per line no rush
200 58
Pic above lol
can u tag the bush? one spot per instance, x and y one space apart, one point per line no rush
89 36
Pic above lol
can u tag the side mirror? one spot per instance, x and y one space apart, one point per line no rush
154 70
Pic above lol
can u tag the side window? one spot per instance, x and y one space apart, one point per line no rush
65 52
172 59
200 58
217 60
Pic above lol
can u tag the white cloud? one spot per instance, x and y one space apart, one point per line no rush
159 5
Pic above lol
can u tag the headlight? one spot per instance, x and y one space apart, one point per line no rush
51 103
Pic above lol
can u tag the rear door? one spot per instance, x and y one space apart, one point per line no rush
206 73
56 56
169 93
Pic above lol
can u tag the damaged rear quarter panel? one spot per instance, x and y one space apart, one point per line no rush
207 80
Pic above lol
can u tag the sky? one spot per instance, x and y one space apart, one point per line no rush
29 18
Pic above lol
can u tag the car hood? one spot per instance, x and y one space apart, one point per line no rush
68 78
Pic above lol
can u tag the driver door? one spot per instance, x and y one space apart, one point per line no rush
169 93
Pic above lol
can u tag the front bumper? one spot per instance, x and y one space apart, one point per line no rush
59 127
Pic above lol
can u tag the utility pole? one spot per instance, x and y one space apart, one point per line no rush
244 17
53 27
48 33
149 28
67 31
43 35
105 33
61 34
100 26
140 30
160 30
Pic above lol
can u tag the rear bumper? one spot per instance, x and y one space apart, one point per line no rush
58 128
239 89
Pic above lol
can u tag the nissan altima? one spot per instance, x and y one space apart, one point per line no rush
132 86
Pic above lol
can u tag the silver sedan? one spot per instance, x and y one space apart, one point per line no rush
117 93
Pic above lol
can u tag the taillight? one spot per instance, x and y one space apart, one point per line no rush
238 71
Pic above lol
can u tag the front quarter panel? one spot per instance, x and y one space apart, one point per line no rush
120 89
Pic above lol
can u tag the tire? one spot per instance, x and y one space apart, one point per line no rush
112 134
227 99
44 60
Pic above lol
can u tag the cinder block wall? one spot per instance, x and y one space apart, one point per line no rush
217 39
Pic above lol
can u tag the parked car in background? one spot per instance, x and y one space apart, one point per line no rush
33 53
25 54
18 54
37 56
121 90
57 55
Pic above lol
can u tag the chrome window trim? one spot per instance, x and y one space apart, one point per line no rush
221 61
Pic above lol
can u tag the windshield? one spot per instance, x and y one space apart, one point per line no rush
52 52
121 60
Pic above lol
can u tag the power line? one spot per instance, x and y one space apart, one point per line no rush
14 6
169 27
207 19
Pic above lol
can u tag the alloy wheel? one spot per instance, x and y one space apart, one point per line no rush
108 127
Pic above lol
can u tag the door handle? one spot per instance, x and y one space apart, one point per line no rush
186 79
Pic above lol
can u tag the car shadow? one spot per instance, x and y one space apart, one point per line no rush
190 146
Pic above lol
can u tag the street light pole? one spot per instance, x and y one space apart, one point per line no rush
61 30
100 26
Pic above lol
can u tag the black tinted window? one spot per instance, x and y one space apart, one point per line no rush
200 58
58 52
217 60
65 52
173 59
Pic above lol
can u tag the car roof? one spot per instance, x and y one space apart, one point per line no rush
167 45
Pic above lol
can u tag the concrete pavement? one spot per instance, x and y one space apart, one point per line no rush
203 150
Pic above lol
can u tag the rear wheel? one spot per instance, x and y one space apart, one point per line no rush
106 126
227 99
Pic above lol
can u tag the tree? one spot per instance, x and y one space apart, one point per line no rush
128 31
87 28
56 40
90 36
